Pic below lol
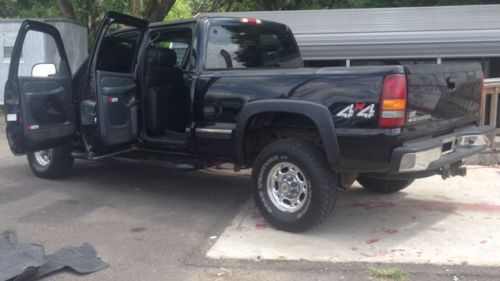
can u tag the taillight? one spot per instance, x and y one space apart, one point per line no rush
393 102
250 20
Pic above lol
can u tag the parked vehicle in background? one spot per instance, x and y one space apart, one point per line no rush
219 89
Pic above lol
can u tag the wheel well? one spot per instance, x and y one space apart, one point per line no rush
264 128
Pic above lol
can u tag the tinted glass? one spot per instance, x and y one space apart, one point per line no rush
118 50
177 40
251 45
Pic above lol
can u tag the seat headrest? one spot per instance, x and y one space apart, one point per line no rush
165 57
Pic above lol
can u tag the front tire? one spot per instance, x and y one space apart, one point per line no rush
51 163
383 186
293 185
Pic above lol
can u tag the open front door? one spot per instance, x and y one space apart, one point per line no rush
39 106
113 77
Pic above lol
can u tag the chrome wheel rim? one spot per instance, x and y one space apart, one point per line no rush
287 187
43 157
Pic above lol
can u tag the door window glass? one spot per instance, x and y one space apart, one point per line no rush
118 49
41 56
177 40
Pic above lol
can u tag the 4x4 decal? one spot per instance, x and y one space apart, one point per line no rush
358 110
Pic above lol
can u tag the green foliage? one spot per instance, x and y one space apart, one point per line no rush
28 8
384 274
182 9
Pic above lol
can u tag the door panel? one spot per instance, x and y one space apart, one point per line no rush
39 106
112 65
118 108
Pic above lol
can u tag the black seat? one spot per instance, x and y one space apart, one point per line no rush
165 97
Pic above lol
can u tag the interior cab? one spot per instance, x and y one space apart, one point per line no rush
166 80
139 81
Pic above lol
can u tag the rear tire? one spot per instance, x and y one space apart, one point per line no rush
293 185
383 186
51 163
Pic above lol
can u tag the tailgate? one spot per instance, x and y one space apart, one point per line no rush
442 97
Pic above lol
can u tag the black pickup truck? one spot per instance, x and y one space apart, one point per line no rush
214 90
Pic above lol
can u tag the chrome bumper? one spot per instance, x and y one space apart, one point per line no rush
437 152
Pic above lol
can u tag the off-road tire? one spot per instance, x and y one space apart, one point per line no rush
318 176
59 165
383 186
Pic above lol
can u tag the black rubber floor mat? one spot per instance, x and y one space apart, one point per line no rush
81 259
16 258
25 262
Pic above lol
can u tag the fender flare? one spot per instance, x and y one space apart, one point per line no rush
318 113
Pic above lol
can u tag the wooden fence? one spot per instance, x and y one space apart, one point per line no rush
491 90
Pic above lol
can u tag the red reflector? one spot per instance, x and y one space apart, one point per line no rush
250 21
393 101
112 99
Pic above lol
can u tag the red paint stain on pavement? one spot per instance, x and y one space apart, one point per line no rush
482 242
372 241
396 250
372 205
380 253
453 206
255 214
260 225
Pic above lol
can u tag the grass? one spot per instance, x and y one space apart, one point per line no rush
389 274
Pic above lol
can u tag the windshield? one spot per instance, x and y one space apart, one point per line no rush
251 45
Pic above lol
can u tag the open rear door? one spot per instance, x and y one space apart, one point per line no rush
39 106
113 77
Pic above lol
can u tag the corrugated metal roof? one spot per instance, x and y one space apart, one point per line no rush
417 32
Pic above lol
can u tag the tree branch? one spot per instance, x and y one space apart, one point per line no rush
66 9
156 10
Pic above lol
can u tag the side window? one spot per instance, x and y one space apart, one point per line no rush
41 57
177 40
118 49
245 46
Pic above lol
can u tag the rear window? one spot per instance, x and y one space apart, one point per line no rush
251 45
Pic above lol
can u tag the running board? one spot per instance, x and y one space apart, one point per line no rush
91 156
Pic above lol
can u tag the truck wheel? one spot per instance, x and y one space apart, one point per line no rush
51 163
293 185
384 186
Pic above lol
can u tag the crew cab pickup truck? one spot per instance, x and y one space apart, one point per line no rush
234 90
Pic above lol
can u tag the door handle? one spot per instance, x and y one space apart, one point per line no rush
212 110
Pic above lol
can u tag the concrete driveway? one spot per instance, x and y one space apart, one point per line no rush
456 221
152 223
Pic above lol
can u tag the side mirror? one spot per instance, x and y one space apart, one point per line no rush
43 70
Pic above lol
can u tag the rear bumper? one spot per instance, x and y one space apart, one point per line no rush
434 153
